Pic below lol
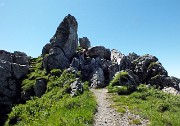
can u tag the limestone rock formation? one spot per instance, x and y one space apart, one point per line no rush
62 46
76 87
84 43
97 80
99 51
148 66
13 67
40 87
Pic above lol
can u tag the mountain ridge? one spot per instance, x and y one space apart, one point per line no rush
97 65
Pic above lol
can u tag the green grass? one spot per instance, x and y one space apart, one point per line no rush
58 110
159 108
114 85
36 72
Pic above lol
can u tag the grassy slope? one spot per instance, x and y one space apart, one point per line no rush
160 108
56 107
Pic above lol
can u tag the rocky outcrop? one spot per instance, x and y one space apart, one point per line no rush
13 67
99 51
40 87
84 43
161 81
148 66
63 45
76 88
97 80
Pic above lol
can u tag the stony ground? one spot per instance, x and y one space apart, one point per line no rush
107 116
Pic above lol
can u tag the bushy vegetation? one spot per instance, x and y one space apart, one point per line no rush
160 108
114 86
56 107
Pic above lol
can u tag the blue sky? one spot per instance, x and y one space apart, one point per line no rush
140 26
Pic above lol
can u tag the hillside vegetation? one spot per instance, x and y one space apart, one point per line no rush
161 109
56 107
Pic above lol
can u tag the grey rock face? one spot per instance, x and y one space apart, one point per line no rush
162 81
76 87
97 80
132 56
56 59
113 69
7 56
19 71
122 60
46 49
62 46
84 43
21 58
40 87
116 56
148 66
171 90
99 51
13 67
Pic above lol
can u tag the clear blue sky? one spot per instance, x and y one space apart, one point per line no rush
141 26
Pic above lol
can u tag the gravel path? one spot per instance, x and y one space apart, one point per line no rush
107 116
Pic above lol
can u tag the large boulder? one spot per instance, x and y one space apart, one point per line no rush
40 87
19 71
113 69
62 46
21 58
84 42
99 51
148 66
97 80
55 59
162 81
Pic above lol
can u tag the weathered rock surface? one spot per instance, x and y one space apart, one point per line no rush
76 87
148 66
13 67
97 80
120 59
171 90
84 43
162 81
62 46
113 69
40 87
99 51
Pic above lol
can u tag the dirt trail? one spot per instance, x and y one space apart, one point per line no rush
107 116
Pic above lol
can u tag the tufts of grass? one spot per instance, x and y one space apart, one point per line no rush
114 86
159 108
56 107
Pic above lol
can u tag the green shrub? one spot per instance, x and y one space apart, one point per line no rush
120 75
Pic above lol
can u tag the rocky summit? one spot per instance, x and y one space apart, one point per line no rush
97 64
